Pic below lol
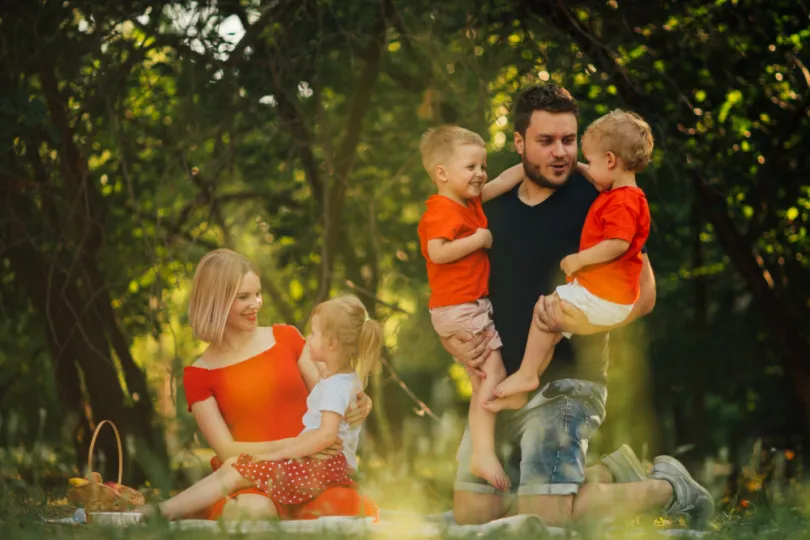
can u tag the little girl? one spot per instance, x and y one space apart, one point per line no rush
346 344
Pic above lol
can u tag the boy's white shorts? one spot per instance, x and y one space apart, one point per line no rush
598 310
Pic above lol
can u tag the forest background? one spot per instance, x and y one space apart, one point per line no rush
136 136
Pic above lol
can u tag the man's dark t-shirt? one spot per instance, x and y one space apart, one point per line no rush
528 243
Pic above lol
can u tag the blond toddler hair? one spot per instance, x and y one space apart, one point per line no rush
627 135
438 144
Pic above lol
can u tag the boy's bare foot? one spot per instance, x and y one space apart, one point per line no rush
490 469
508 403
519 382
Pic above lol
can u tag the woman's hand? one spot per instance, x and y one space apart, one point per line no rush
359 411
335 449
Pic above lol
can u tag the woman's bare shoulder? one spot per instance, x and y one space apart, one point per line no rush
202 361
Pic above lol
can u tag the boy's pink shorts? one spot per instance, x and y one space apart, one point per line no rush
473 317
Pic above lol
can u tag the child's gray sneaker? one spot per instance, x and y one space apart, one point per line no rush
624 465
689 497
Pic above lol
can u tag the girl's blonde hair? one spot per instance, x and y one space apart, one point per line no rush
345 319
216 283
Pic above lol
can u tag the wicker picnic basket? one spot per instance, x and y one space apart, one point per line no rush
97 496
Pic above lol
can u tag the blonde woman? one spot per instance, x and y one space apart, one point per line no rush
248 390
347 343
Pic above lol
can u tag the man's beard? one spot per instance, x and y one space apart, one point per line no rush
533 173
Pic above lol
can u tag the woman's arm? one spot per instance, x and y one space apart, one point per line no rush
309 443
216 432
312 372
309 368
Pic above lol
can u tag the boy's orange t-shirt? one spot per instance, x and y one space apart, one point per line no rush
466 279
620 213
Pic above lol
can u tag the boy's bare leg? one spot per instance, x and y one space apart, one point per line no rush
201 495
484 462
539 349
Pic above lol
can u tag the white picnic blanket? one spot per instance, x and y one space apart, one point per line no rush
391 523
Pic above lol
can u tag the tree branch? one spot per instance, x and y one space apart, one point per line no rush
333 209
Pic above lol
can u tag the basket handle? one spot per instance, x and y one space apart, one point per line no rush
93 444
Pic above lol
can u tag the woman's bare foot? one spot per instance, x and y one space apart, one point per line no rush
508 403
151 512
520 382
147 510
490 469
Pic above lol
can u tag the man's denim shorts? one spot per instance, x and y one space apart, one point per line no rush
543 445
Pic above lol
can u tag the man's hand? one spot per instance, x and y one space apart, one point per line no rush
571 264
486 238
553 315
359 411
469 350
335 449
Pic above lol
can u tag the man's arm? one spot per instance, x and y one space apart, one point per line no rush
443 251
552 315
503 183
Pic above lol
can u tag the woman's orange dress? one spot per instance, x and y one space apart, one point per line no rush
264 398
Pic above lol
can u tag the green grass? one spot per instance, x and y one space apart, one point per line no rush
417 481
22 510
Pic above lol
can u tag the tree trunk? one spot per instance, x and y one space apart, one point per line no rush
70 296
335 196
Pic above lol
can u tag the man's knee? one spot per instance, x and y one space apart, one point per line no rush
471 508
554 510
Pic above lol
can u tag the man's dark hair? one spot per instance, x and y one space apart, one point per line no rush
549 97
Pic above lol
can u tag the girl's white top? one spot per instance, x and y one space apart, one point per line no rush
334 394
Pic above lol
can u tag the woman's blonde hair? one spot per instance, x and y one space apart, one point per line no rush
216 283
346 320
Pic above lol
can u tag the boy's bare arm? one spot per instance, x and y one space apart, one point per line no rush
503 183
604 251
443 251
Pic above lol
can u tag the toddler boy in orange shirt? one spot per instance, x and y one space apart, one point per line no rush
603 277
453 235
